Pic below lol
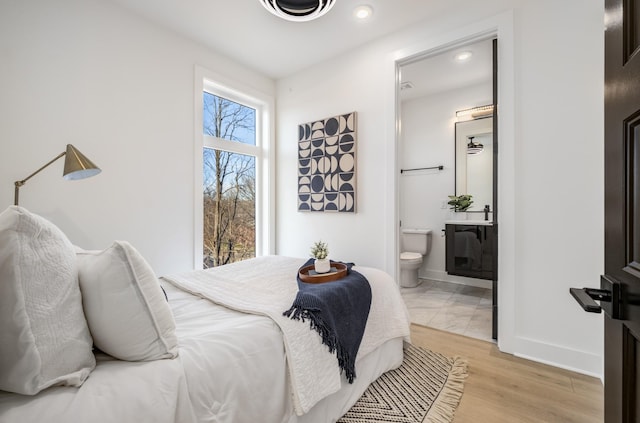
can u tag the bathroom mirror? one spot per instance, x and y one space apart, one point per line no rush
474 161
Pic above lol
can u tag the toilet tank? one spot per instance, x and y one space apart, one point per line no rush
416 240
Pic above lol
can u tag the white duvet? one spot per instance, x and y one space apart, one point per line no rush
115 392
232 368
267 286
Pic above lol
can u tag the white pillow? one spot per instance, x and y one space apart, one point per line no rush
44 339
128 315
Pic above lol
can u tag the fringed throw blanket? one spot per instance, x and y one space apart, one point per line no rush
338 311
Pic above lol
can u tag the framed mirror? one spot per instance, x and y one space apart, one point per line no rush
474 161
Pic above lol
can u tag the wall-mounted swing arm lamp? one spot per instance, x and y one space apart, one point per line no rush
76 166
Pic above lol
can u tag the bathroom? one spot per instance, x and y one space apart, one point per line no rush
436 94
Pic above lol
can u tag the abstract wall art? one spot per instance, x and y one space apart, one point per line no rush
327 165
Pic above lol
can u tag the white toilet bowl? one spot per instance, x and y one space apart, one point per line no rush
416 243
409 265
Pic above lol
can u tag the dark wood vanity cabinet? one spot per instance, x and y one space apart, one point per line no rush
470 250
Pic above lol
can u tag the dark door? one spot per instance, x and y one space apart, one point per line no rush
622 210
619 293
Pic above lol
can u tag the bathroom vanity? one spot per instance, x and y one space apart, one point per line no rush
470 248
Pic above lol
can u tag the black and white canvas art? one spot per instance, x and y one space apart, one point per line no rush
327 165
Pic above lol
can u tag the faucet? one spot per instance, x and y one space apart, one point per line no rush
486 212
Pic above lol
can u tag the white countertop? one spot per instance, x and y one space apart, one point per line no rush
469 222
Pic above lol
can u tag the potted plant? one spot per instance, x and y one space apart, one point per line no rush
320 252
460 204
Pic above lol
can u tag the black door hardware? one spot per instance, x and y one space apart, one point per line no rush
586 296
608 295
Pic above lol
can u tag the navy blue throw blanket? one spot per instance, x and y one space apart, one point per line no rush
338 311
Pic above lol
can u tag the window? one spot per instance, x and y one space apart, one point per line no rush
232 182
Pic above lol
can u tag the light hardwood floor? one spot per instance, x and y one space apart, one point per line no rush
503 388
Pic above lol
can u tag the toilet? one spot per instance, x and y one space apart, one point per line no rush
415 244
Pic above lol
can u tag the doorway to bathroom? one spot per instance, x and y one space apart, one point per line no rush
437 95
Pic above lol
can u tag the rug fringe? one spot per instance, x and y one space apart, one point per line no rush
444 408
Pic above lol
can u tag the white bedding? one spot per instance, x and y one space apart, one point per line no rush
232 368
115 392
236 368
267 286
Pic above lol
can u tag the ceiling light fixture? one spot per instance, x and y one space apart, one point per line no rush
363 12
406 85
474 147
476 112
463 56
298 10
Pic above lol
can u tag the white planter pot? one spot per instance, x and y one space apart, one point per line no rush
322 265
458 215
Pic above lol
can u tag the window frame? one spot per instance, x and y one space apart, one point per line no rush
263 151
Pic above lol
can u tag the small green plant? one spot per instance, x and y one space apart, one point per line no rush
320 250
460 203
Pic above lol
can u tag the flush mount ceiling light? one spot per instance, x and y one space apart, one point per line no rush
298 10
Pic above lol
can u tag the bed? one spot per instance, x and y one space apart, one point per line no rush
231 363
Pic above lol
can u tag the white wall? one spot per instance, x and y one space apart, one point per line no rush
428 139
554 71
121 90
559 244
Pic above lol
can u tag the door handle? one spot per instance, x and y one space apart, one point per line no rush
608 295
586 298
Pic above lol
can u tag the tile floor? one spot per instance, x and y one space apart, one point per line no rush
461 309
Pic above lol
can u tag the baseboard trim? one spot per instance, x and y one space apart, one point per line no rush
577 361
440 276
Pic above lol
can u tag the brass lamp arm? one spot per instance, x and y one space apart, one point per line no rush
18 184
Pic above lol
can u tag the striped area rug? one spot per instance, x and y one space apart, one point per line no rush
427 387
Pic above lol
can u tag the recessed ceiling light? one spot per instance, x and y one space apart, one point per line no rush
363 12
463 56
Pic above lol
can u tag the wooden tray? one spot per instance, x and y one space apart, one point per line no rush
339 272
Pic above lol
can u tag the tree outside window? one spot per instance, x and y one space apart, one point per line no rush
229 185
